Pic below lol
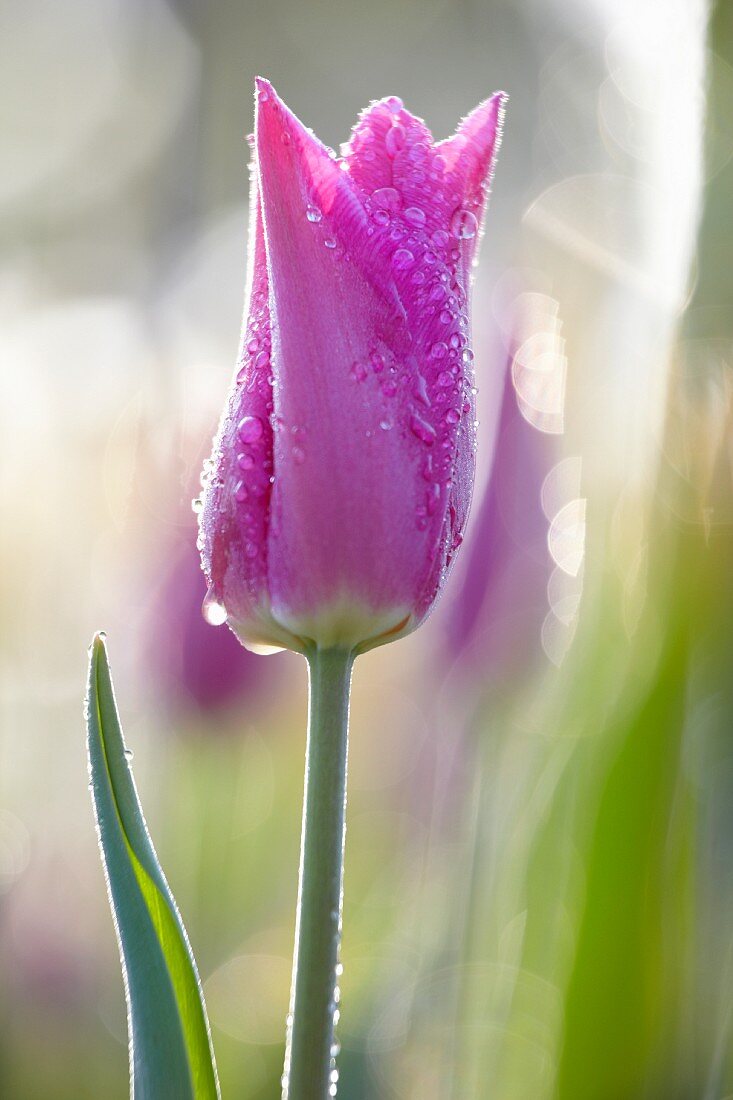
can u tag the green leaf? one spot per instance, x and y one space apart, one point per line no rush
171 1055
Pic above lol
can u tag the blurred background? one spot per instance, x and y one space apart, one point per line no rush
539 865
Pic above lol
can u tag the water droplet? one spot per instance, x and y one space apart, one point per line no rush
420 390
446 316
439 350
395 139
440 238
214 612
439 164
253 344
463 225
312 213
129 754
298 456
250 429
285 137
329 242
197 505
418 277
359 372
424 431
385 425
245 461
240 492
430 257
377 362
381 217
389 388
414 215
445 378
402 259
467 355
432 498
452 416
418 151
388 198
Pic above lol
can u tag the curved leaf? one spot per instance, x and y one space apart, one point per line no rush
171 1055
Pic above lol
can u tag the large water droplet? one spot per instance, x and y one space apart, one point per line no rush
439 350
463 225
250 429
214 612
395 139
388 198
424 431
312 213
414 215
402 259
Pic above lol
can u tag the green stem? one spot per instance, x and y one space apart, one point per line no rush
310 1052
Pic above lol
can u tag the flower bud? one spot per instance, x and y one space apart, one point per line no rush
341 478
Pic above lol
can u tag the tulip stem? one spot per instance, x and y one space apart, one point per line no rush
310 1056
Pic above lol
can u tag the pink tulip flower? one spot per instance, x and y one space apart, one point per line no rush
341 478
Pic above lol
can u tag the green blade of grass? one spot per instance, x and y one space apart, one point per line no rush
170 1044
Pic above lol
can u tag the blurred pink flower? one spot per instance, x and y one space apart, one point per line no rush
341 477
195 669
493 624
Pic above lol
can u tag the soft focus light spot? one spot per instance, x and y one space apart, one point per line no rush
247 995
557 637
566 537
561 485
539 367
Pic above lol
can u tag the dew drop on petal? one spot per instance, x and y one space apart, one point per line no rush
250 429
402 259
439 350
414 215
424 431
395 139
329 242
240 492
214 612
463 225
388 198
312 213
440 238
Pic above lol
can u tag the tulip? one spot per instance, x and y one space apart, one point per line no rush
341 478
